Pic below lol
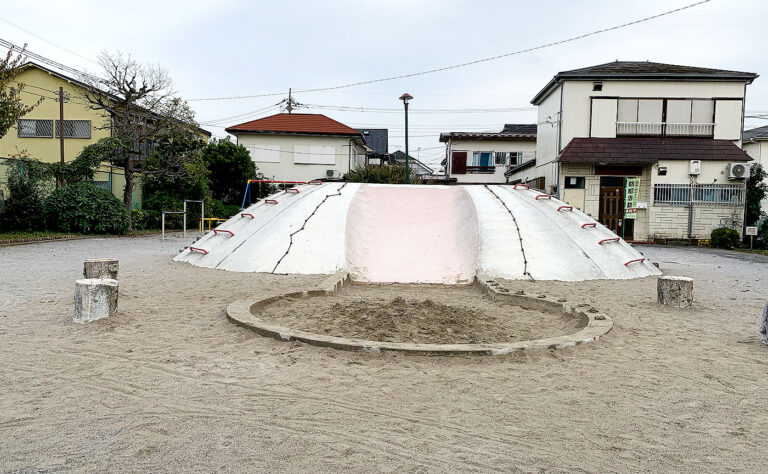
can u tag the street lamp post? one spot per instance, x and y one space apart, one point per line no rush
406 98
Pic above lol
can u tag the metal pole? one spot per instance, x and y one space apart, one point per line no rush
202 216
185 219
407 168
162 226
61 130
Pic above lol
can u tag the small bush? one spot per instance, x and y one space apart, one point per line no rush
762 235
724 238
28 181
393 174
84 208
145 219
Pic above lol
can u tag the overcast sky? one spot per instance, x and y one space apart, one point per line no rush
235 48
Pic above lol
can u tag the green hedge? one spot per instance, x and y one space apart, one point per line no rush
83 208
724 238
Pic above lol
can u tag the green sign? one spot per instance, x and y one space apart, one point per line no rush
631 195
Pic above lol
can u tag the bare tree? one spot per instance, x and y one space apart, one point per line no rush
141 106
12 107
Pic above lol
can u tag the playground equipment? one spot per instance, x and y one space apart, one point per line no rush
247 193
418 234
184 213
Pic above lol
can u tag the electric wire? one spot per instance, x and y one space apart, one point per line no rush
477 61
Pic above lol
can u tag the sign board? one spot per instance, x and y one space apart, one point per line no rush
750 230
631 195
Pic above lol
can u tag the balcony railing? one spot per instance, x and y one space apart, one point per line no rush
665 129
481 169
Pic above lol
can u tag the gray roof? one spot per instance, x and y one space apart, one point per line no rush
511 131
644 70
399 157
759 133
523 128
376 138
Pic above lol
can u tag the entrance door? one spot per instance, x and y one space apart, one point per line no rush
612 202
459 162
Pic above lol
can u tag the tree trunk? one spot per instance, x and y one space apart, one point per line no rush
128 191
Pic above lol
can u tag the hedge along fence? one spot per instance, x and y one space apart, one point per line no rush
85 208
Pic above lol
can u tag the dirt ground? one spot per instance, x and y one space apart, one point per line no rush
169 384
417 314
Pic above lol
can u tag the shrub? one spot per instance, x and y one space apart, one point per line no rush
84 208
724 238
392 174
762 234
29 181
145 219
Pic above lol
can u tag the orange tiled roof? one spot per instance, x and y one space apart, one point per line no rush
294 123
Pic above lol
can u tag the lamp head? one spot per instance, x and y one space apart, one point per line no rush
406 98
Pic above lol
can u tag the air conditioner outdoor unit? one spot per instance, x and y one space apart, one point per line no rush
737 170
330 173
695 168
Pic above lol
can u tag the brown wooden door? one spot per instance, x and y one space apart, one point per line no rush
459 162
612 207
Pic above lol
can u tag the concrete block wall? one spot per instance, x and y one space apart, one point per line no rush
671 222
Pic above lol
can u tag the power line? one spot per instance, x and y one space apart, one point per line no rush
47 41
477 61
48 62
344 108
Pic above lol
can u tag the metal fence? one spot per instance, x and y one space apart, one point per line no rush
683 194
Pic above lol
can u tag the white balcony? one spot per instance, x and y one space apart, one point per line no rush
665 129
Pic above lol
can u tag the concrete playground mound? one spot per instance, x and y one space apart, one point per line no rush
418 234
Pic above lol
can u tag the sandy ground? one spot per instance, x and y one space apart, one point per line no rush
418 314
170 385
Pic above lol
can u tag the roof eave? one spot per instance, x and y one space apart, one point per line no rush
235 132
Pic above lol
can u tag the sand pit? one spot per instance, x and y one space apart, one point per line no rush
417 314
170 381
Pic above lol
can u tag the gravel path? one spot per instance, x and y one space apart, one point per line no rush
170 385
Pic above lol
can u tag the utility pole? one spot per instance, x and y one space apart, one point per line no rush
61 130
289 107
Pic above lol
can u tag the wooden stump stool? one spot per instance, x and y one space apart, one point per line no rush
100 268
95 298
676 291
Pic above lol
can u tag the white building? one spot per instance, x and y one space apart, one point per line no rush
673 131
474 157
756 145
301 147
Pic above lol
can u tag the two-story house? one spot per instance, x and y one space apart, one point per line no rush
485 157
301 147
37 133
755 143
651 150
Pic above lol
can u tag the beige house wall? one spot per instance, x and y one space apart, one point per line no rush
471 146
345 155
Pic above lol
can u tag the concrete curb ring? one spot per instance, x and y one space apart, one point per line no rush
241 312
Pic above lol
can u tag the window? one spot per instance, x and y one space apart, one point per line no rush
574 182
501 158
673 117
681 194
314 154
597 86
75 129
482 158
264 154
29 128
